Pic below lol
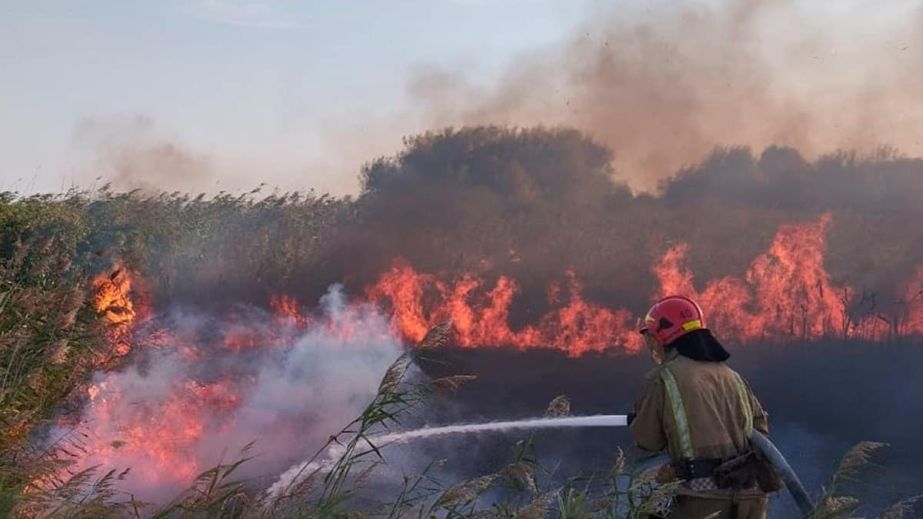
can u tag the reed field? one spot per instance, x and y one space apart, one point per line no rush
484 203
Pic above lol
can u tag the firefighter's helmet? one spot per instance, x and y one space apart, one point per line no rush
672 317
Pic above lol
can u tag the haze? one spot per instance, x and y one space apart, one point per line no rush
210 95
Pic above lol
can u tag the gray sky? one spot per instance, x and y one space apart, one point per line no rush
243 85
200 95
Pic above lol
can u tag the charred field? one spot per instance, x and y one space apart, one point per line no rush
822 398
162 333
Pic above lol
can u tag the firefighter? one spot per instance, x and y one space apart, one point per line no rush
701 412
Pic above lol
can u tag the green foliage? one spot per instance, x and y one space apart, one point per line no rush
50 339
178 241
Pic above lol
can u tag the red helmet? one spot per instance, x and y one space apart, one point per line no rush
672 317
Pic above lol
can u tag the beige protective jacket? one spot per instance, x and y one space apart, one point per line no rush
712 400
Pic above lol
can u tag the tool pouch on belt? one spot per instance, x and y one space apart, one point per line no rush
767 477
747 470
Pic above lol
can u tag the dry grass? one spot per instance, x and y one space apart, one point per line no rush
558 407
856 458
452 383
901 509
50 339
833 503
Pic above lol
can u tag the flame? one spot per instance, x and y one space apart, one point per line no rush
287 317
203 390
162 432
909 321
786 291
288 311
785 294
111 296
113 301
481 317
158 435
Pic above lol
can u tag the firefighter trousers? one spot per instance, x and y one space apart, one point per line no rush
689 507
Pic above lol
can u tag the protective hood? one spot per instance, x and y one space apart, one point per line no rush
700 345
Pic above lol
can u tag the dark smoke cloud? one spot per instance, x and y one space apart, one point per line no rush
531 204
662 84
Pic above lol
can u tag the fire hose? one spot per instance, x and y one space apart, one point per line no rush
772 454
792 482
758 440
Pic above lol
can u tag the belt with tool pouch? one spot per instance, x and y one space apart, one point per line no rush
697 468
744 471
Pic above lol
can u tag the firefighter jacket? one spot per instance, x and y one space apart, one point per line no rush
697 410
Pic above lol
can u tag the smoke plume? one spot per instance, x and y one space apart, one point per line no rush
662 84
133 153
205 386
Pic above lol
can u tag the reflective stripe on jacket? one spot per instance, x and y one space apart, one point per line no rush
696 410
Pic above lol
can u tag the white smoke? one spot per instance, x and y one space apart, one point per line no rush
320 383
335 451
188 393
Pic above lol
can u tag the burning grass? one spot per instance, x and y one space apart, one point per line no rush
40 484
518 237
330 483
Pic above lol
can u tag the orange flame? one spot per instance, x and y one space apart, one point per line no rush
786 294
482 318
288 311
111 296
157 434
112 300
160 436
786 291
909 321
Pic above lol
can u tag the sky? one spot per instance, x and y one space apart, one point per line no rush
234 85
211 95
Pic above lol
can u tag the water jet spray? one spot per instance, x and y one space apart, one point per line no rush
604 420
759 442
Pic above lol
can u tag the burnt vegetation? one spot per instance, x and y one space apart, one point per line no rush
527 203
